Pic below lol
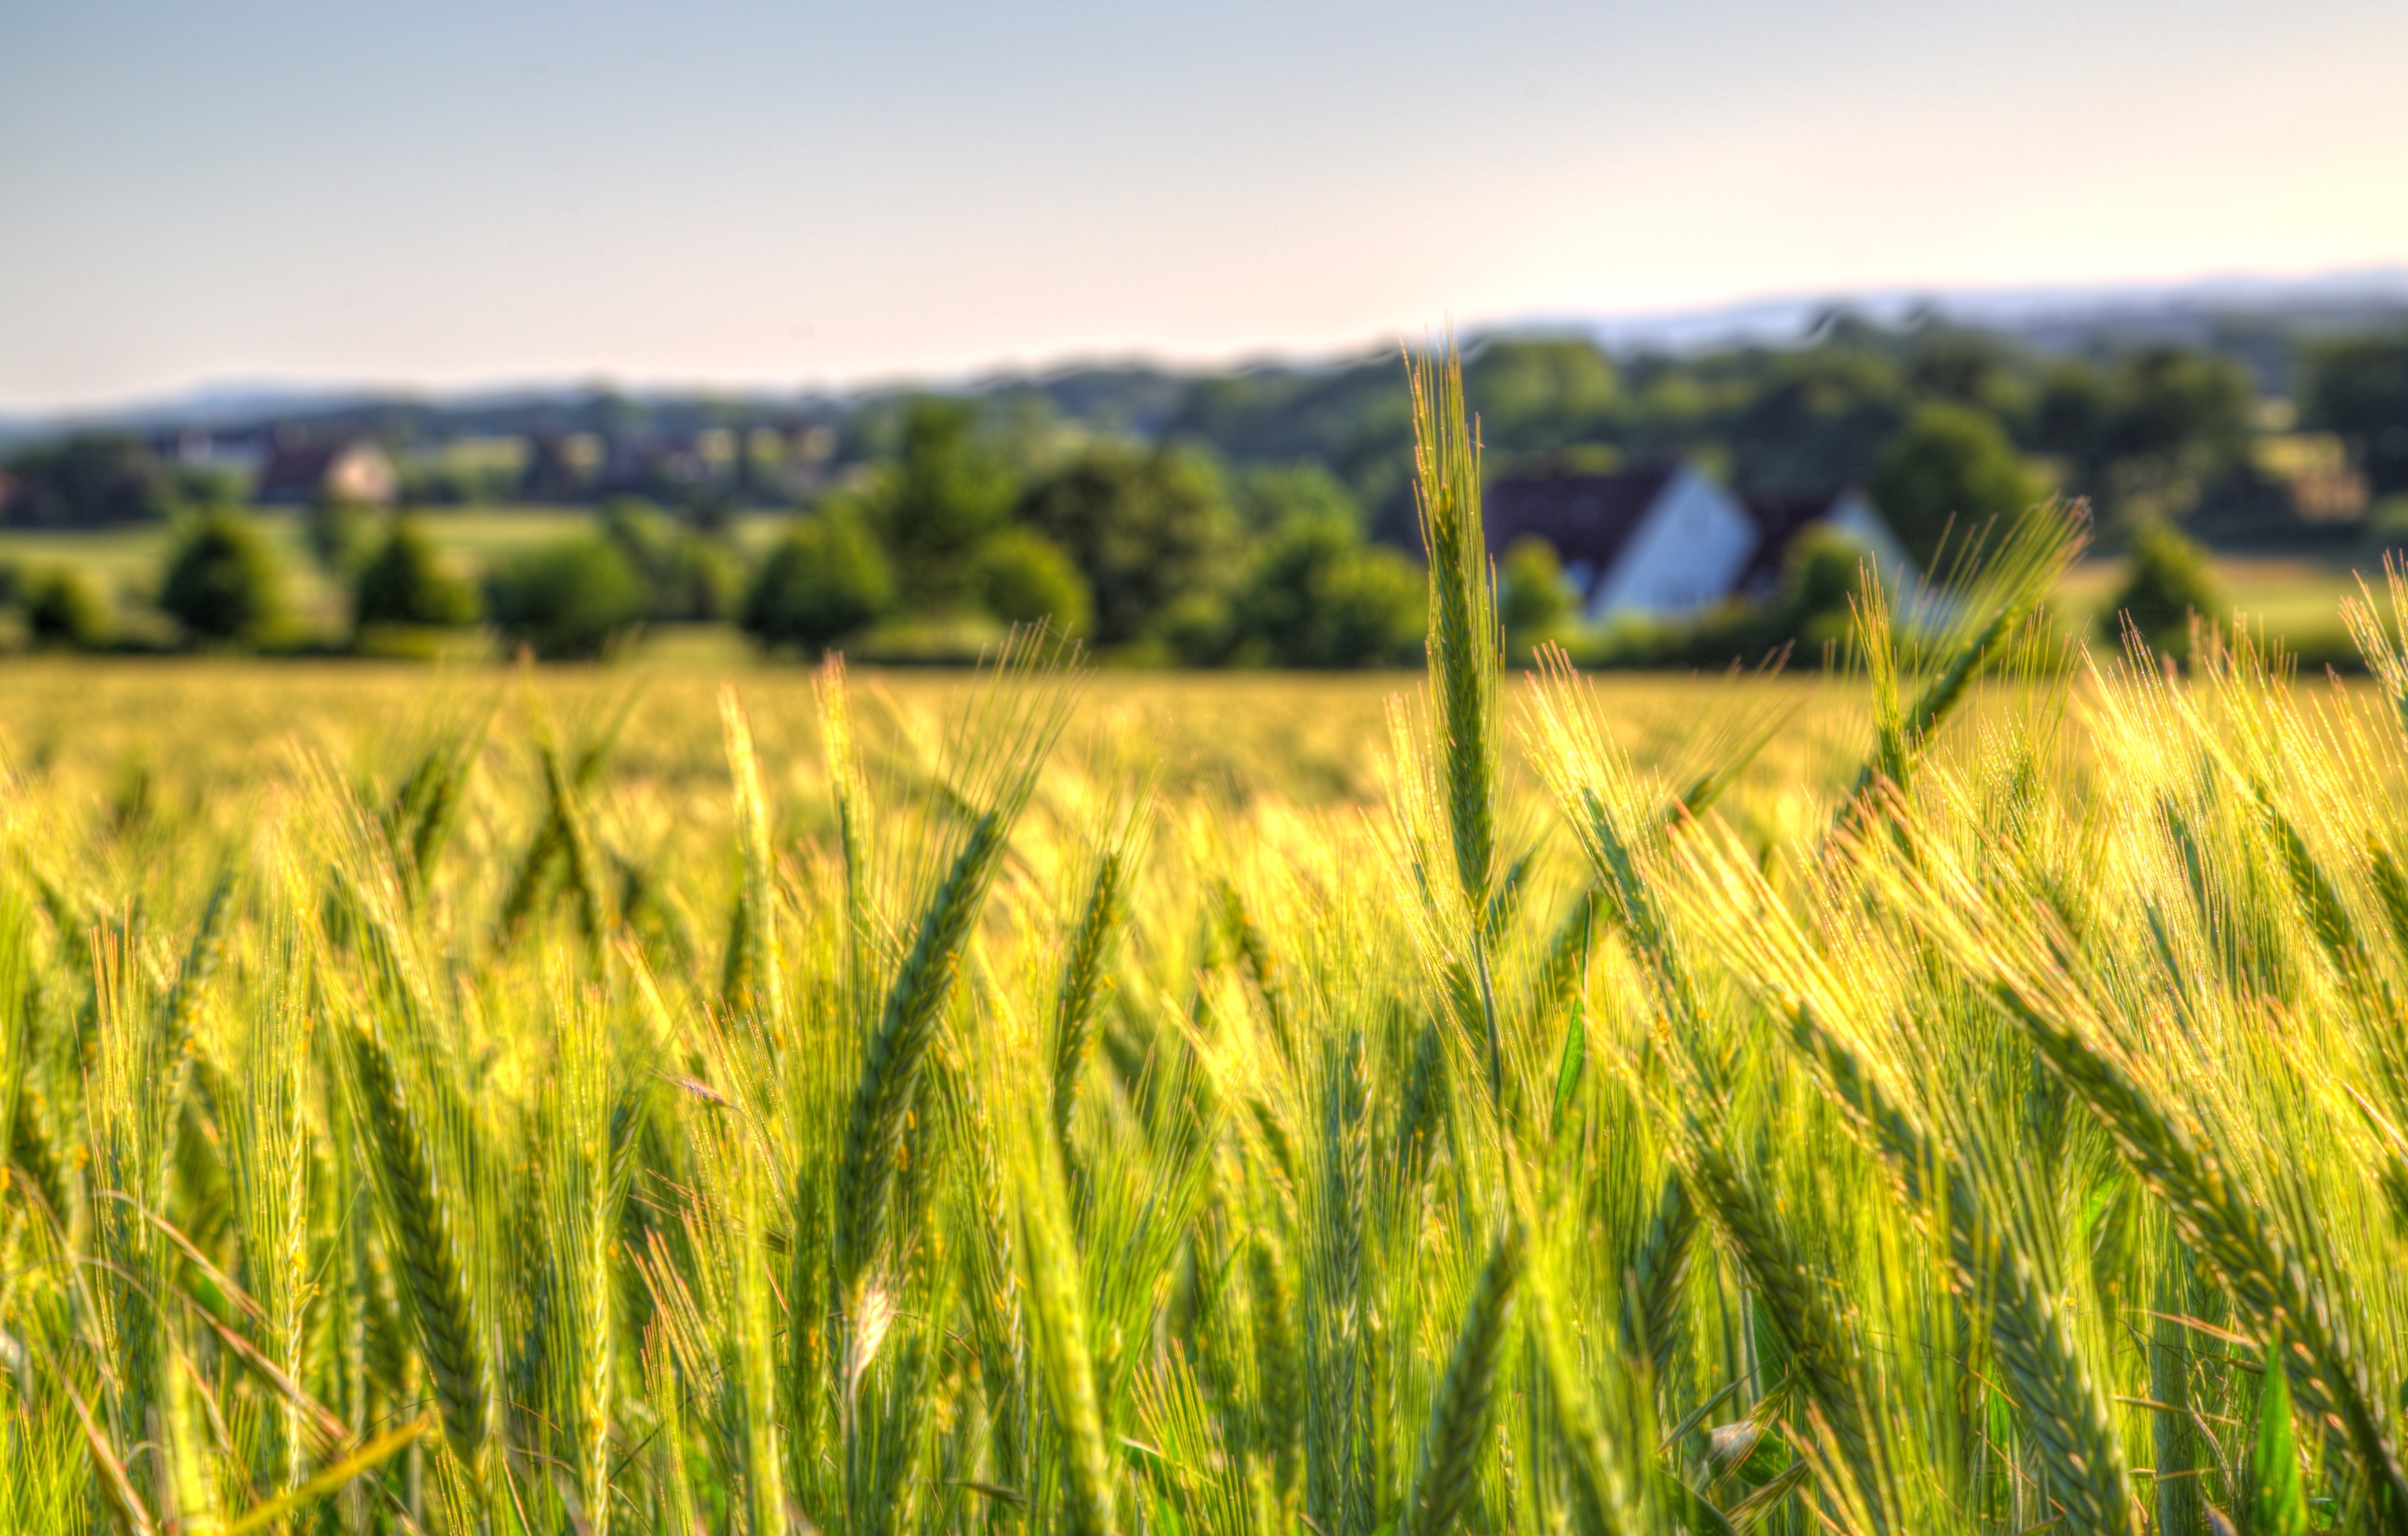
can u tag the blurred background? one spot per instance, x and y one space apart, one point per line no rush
736 331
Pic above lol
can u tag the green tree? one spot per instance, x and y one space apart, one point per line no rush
945 494
1535 603
2170 580
688 577
1816 417
1320 597
2073 421
340 535
827 581
1949 463
406 585
1538 394
62 609
2358 389
1269 496
2180 426
1024 578
1146 528
222 585
1821 577
575 598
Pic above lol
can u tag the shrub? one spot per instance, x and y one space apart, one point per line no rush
827 581
1024 578
406 585
945 494
340 535
574 598
222 585
1320 597
687 577
1146 528
62 609
1951 469
1821 577
2170 580
1536 603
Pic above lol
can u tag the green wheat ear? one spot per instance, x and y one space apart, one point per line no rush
2244 1250
754 977
1465 648
424 1222
1458 1421
1059 1323
1008 737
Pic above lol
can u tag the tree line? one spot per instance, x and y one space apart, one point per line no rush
1261 516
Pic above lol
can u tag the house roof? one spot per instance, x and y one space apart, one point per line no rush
297 469
1589 519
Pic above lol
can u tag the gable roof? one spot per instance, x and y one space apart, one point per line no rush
298 471
1589 519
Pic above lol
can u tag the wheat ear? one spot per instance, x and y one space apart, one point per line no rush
422 1229
2062 1408
1059 1313
1083 983
1458 1420
2229 1233
890 1076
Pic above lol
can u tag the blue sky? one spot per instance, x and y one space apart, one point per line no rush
446 193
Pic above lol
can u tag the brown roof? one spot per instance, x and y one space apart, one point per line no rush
293 471
1587 518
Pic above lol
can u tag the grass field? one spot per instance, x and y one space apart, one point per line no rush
1964 1102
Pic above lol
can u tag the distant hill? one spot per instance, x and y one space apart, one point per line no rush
2260 321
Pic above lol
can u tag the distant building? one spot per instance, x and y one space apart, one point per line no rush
1668 540
301 473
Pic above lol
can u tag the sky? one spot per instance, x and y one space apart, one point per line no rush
734 192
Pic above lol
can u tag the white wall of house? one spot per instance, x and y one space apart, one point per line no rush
1687 550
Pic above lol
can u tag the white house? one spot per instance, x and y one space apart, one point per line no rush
1669 540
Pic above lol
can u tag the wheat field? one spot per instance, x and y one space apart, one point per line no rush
1962 1096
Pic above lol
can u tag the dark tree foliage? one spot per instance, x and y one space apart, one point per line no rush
1145 527
574 599
341 534
1269 496
944 495
827 581
92 480
1950 464
62 609
1320 597
222 585
405 585
1535 603
688 577
2358 389
1538 394
1814 418
1024 578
